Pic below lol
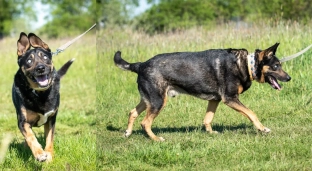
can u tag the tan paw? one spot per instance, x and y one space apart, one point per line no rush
42 157
266 130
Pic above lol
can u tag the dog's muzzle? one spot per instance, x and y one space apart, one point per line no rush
41 75
274 83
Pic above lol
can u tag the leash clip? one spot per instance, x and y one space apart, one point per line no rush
57 52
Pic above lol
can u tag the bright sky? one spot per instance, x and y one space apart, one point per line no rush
142 7
42 11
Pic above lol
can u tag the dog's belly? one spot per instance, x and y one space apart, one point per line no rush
175 91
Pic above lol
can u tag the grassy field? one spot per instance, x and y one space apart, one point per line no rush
74 144
239 146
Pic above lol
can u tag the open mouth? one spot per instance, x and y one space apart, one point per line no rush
273 82
42 80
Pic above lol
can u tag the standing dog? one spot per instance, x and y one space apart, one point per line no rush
213 75
35 92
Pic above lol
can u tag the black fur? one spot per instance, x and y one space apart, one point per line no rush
213 75
35 92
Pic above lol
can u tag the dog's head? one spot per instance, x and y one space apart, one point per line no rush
35 63
269 68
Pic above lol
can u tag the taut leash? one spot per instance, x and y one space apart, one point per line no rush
66 45
295 55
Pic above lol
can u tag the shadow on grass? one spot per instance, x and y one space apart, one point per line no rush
217 127
24 153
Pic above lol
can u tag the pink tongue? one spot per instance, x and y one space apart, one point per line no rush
276 85
42 80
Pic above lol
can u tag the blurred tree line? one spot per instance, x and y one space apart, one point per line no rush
71 17
171 15
11 10
66 17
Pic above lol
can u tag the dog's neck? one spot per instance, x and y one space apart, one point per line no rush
251 66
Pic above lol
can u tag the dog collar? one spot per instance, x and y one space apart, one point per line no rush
251 66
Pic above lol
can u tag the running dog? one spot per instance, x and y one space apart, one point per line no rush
35 92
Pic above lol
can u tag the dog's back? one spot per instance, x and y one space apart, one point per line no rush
206 74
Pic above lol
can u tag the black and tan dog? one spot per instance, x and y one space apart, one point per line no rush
35 92
214 75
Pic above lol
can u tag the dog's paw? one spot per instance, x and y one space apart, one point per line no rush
266 130
42 157
161 139
158 139
127 133
49 157
214 132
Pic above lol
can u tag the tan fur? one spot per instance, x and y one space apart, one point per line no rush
261 55
21 49
31 139
264 70
134 114
149 118
240 89
246 112
211 110
48 133
31 117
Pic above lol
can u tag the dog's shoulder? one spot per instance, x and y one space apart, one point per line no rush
238 53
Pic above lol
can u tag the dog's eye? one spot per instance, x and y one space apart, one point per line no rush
45 57
29 61
275 67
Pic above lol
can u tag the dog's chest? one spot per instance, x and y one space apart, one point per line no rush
43 118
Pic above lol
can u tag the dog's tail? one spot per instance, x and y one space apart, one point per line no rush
62 71
121 63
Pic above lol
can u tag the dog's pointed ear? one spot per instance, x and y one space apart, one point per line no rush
22 44
36 42
271 50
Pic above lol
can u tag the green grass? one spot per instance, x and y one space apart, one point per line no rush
239 146
75 138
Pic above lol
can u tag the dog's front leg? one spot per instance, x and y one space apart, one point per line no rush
238 106
211 109
32 142
49 135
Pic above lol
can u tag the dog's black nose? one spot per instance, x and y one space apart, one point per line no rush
40 68
288 78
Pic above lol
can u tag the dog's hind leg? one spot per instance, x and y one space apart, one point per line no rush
238 106
133 115
211 109
153 108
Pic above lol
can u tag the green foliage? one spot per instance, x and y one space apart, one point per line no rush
69 17
115 12
10 11
176 14
172 15
187 146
